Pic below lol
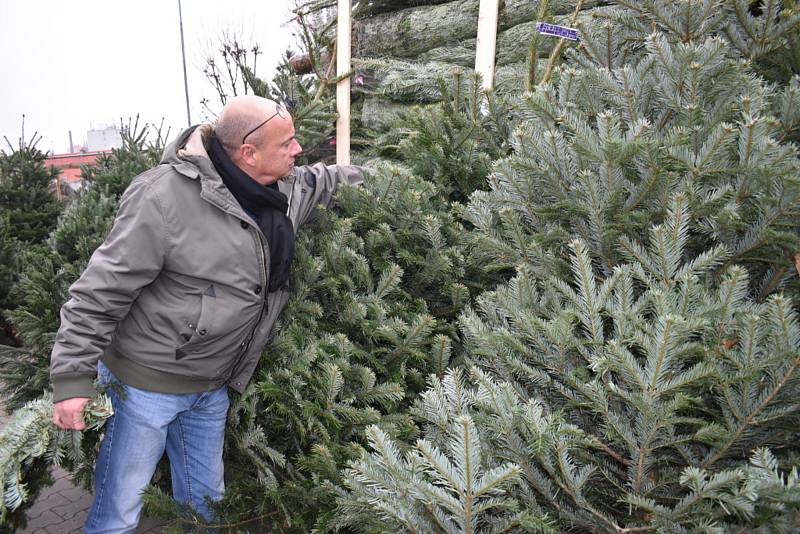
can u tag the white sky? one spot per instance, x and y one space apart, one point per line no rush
73 65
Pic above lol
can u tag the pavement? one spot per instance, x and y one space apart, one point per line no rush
62 508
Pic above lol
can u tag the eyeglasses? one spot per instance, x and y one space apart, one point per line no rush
279 112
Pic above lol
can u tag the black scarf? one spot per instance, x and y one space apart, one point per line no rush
267 206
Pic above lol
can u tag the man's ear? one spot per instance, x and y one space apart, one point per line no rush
247 155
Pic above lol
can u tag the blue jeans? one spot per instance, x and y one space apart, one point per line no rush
190 427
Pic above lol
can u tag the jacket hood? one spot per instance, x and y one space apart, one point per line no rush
190 146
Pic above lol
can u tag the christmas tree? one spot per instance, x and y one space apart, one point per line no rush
28 212
379 282
638 370
29 443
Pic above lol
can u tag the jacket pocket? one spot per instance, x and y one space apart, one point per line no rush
196 332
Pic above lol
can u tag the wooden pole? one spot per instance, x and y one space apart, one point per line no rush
487 41
344 24
58 185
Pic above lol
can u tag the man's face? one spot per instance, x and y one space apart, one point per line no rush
275 154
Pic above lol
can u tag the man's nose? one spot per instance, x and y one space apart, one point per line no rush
297 148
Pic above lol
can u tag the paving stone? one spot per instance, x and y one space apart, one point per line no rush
73 525
54 499
48 518
84 503
59 474
70 510
150 525
62 528
73 494
35 511
61 483
42 505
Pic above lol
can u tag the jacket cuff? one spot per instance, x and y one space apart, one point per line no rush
69 386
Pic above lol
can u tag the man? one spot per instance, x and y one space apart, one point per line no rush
177 304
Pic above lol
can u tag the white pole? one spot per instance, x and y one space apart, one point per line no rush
343 87
487 41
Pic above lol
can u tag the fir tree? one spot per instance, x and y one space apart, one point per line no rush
26 193
48 271
30 443
458 488
645 351
380 279
28 212
9 269
599 153
627 402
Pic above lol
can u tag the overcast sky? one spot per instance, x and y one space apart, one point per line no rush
74 65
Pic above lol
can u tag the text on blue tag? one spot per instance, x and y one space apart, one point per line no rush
557 31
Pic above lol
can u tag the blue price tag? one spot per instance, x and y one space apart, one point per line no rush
557 31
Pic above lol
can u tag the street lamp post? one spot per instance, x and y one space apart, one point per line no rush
183 56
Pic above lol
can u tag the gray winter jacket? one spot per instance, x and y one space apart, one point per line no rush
175 299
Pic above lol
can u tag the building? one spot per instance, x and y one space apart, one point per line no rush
98 139
69 165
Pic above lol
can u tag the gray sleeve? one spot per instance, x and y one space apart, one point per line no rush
131 257
316 184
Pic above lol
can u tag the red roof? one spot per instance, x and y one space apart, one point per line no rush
70 163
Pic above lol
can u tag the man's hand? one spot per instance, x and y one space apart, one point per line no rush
68 414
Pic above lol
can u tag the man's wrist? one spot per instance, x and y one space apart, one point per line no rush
72 385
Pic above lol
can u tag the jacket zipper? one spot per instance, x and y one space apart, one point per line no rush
264 302
264 288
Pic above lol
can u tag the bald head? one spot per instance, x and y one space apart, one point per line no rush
269 152
239 116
